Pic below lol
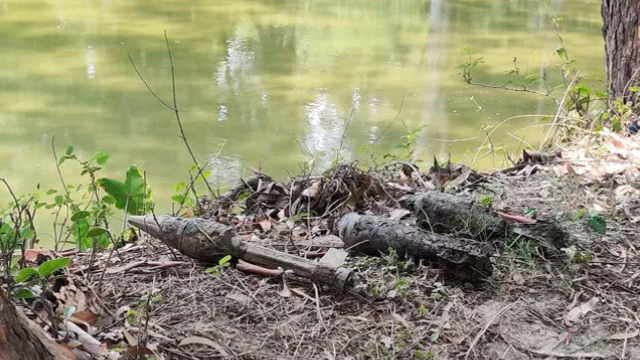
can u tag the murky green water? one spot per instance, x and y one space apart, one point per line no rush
247 67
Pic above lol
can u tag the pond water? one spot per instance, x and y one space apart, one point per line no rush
246 68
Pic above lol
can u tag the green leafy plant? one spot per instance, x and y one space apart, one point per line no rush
402 286
486 200
219 269
78 209
530 212
29 277
597 223
17 230
133 196
466 68
439 291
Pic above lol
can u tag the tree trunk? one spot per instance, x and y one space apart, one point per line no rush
621 20
21 339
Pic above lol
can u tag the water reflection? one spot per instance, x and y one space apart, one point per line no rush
91 63
326 127
228 169
434 104
246 67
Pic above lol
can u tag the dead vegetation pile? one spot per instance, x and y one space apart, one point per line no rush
579 301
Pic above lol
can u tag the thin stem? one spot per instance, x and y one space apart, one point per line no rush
147 85
383 131
269 148
183 135
515 89
55 157
344 135
173 108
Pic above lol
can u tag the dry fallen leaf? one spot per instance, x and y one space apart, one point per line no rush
569 168
518 278
65 351
131 339
625 335
138 352
574 315
185 212
334 257
240 298
265 225
86 316
30 255
204 341
313 191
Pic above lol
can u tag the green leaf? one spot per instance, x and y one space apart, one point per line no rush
108 199
598 224
244 195
179 198
59 200
579 214
69 150
25 274
26 233
50 266
23 294
180 186
96 231
531 78
101 157
224 261
52 191
131 193
62 160
633 89
80 215
79 229
236 209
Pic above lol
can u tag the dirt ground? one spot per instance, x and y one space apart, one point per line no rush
583 305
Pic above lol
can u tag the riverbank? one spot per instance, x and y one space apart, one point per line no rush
581 304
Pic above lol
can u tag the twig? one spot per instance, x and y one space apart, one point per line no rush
55 157
503 87
174 108
344 135
177 353
560 109
7 252
486 327
379 137
147 85
177 113
269 148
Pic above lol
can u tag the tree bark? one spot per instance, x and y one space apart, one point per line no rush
21 339
621 21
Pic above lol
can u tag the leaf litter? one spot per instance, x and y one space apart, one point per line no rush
179 311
